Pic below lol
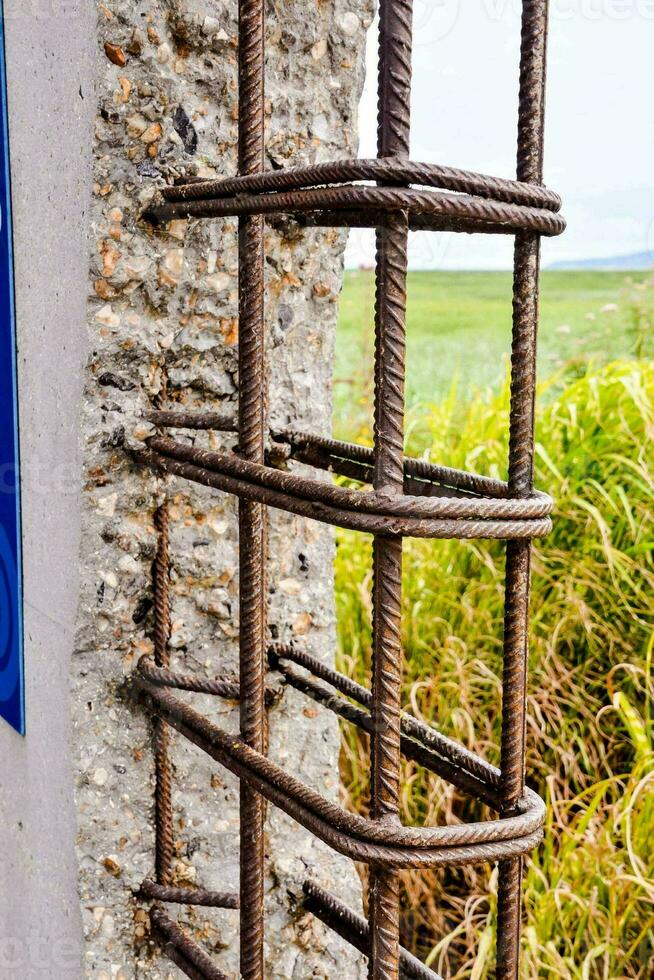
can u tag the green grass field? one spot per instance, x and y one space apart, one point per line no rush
459 330
589 888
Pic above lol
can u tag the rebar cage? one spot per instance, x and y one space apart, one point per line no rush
408 498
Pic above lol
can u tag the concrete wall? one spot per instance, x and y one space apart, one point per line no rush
50 63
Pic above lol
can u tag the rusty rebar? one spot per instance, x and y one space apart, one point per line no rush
251 521
222 687
183 950
163 769
419 741
386 170
426 503
217 421
439 211
408 498
356 930
394 106
531 121
409 747
188 896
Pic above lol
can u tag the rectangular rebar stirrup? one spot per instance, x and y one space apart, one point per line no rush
408 498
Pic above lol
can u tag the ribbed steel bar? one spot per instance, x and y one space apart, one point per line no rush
531 121
391 504
356 930
164 842
182 950
216 421
461 767
252 531
223 687
384 170
394 117
189 896
434 209
374 523
410 748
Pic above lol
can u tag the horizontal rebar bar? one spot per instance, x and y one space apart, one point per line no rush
188 896
479 212
413 728
387 170
223 687
356 931
183 950
424 756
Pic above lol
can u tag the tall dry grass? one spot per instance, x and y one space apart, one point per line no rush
590 888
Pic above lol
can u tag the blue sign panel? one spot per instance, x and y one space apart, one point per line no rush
12 703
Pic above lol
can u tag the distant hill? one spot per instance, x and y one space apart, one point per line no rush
634 262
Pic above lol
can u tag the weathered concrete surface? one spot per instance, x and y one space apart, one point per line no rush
162 322
50 59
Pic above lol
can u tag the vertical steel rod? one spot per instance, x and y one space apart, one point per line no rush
521 449
394 103
252 534
163 772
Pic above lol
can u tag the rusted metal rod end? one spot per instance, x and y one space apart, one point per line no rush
152 890
154 216
356 931
183 950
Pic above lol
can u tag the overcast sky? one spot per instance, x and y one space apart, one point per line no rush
600 121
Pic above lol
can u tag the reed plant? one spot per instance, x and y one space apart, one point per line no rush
590 887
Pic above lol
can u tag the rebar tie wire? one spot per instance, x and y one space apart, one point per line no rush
409 498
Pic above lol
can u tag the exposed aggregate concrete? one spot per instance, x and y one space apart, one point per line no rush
163 328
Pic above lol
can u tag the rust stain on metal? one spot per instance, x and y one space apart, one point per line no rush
408 498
